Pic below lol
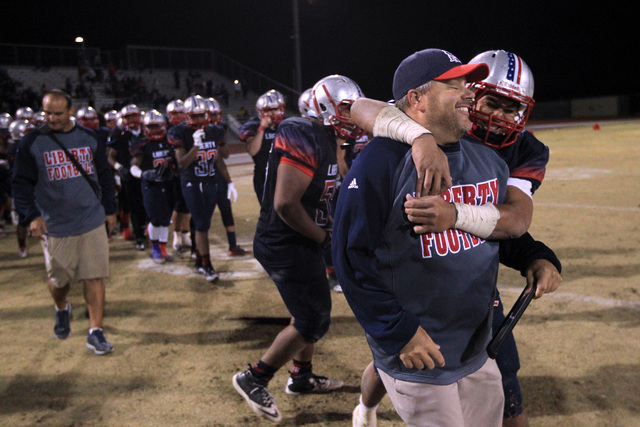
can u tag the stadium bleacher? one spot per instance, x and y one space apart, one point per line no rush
162 81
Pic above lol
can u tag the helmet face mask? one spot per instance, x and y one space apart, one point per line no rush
509 88
154 126
332 100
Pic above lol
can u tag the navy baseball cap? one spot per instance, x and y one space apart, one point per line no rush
433 64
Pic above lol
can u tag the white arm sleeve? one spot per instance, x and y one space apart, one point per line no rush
395 124
477 220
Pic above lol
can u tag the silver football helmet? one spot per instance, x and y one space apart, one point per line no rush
19 128
509 77
175 105
332 99
111 119
88 117
269 104
305 103
39 119
131 117
175 111
215 111
24 113
279 96
154 126
5 120
195 112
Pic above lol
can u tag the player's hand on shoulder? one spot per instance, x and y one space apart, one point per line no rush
432 166
421 352
545 275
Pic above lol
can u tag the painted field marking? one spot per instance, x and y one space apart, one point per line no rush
605 302
582 206
244 267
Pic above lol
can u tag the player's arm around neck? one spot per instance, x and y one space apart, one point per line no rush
384 120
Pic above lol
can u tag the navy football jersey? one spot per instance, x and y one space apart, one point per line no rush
311 148
353 147
261 158
121 140
526 158
155 155
203 168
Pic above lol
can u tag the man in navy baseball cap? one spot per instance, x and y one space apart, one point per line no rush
433 64
423 342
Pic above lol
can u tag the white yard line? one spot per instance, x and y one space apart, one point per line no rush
566 296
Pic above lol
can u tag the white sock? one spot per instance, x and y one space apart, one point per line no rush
94 329
66 307
162 233
186 238
366 408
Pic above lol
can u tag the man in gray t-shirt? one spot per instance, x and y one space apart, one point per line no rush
68 210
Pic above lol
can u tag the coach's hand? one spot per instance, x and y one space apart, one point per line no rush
38 228
421 352
111 221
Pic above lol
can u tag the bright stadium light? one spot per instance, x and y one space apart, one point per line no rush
79 39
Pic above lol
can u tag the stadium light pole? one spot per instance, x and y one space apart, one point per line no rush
297 84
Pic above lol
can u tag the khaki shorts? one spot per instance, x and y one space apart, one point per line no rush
475 400
76 258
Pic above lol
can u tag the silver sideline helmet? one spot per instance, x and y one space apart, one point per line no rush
154 125
332 98
305 103
195 111
509 77
5 120
24 113
19 128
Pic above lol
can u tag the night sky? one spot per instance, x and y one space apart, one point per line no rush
574 50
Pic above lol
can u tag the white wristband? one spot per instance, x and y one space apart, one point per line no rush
395 124
477 220
136 171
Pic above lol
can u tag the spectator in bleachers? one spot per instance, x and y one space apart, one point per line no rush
242 114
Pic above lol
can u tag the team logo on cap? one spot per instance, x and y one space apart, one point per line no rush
451 56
